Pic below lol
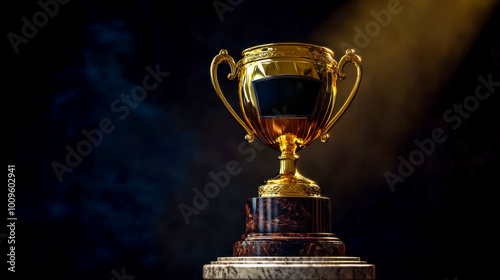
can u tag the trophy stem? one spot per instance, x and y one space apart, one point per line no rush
288 165
288 158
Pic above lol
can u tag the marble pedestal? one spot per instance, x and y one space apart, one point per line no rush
289 268
289 238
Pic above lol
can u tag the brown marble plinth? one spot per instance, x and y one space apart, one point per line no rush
288 226
288 238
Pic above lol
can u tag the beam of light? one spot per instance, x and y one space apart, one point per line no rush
410 49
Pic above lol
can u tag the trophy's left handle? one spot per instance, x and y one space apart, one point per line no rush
352 57
223 57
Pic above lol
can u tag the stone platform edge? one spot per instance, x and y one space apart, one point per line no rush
289 268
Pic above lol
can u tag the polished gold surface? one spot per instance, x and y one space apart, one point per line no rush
223 57
284 132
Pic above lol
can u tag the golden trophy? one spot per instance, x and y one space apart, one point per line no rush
287 94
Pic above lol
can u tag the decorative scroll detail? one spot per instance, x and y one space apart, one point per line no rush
289 190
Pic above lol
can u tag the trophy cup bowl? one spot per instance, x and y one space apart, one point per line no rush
287 93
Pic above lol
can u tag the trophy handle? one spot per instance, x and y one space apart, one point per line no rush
218 59
350 56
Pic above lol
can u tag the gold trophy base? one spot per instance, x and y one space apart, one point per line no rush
289 182
285 186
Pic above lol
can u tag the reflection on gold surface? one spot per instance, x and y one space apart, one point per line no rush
284 132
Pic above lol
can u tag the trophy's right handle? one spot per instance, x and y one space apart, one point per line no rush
352 57
223 57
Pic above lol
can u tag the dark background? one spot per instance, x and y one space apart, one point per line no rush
118 210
